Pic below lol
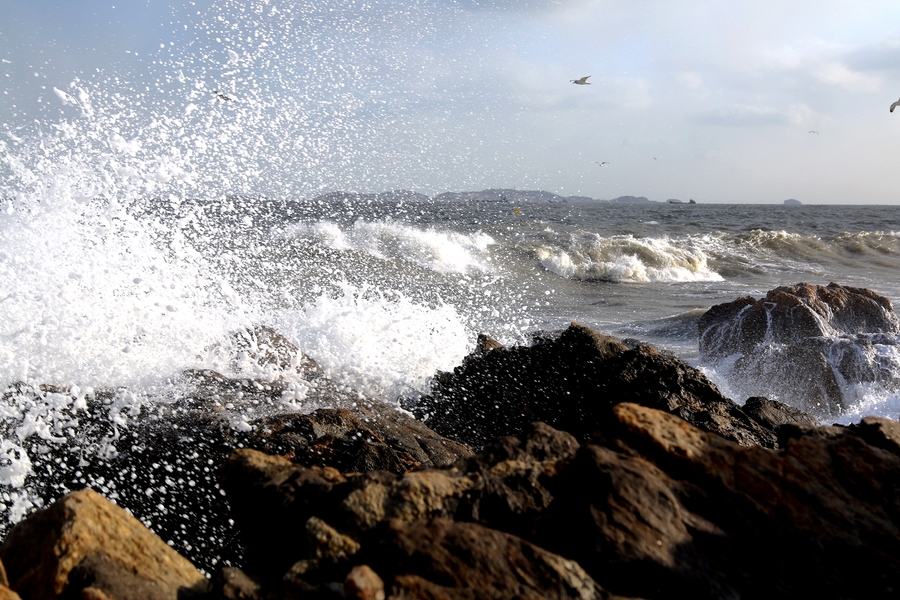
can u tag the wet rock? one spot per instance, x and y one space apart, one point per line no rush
799 343
571 381
369 437
83 542
162 455
657 508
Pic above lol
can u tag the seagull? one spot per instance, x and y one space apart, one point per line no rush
603 164
222 96
895 105
584 81
817 133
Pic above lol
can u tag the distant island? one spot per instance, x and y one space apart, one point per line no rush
792 202
489 195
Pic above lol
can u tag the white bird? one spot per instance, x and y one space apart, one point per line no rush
603 164
582 81
895 105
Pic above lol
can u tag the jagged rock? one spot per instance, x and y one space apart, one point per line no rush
657 508
444 559
273 500
169 458
370 437
571 381
83 541
799 343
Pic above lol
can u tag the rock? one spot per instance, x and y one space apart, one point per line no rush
8 594
231 583
800 342
168 458
276 503
657 508
571 381
372 436
362 583
83 541
443 559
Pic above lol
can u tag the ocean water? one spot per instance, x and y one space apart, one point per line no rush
145 221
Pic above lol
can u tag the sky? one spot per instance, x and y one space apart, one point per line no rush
712 100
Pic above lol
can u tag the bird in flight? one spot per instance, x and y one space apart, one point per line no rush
584 81
603 164
222 96
817 133
895 105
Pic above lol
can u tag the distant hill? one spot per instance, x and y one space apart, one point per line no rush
500 195
393 195
792 202
631 200
489 195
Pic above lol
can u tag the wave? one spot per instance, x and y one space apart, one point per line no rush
623 258
760 251
440 251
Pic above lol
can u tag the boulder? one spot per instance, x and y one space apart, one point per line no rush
84 542
656 508
168 456
571 381
274 500
444 559
801 343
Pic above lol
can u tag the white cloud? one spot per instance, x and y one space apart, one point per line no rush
839 75
742 115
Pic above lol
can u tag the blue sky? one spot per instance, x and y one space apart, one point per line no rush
712 100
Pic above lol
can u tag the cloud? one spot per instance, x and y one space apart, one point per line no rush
742 115
839 75
879 57
514 5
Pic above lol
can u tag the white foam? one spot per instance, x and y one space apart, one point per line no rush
429 248
626 259
381 344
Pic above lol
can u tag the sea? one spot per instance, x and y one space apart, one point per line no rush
144 220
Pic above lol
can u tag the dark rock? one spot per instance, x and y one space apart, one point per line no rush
799 342
231 583
658 508
444 559
169 455
274 501
571 381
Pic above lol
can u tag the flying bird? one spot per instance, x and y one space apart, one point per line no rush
222 96
895 105
817 133
603 164
584 81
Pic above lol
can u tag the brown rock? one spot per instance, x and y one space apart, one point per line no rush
658 508
8 594
83 541
363 583
444 559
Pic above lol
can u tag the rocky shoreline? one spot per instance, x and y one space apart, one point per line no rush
580 466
